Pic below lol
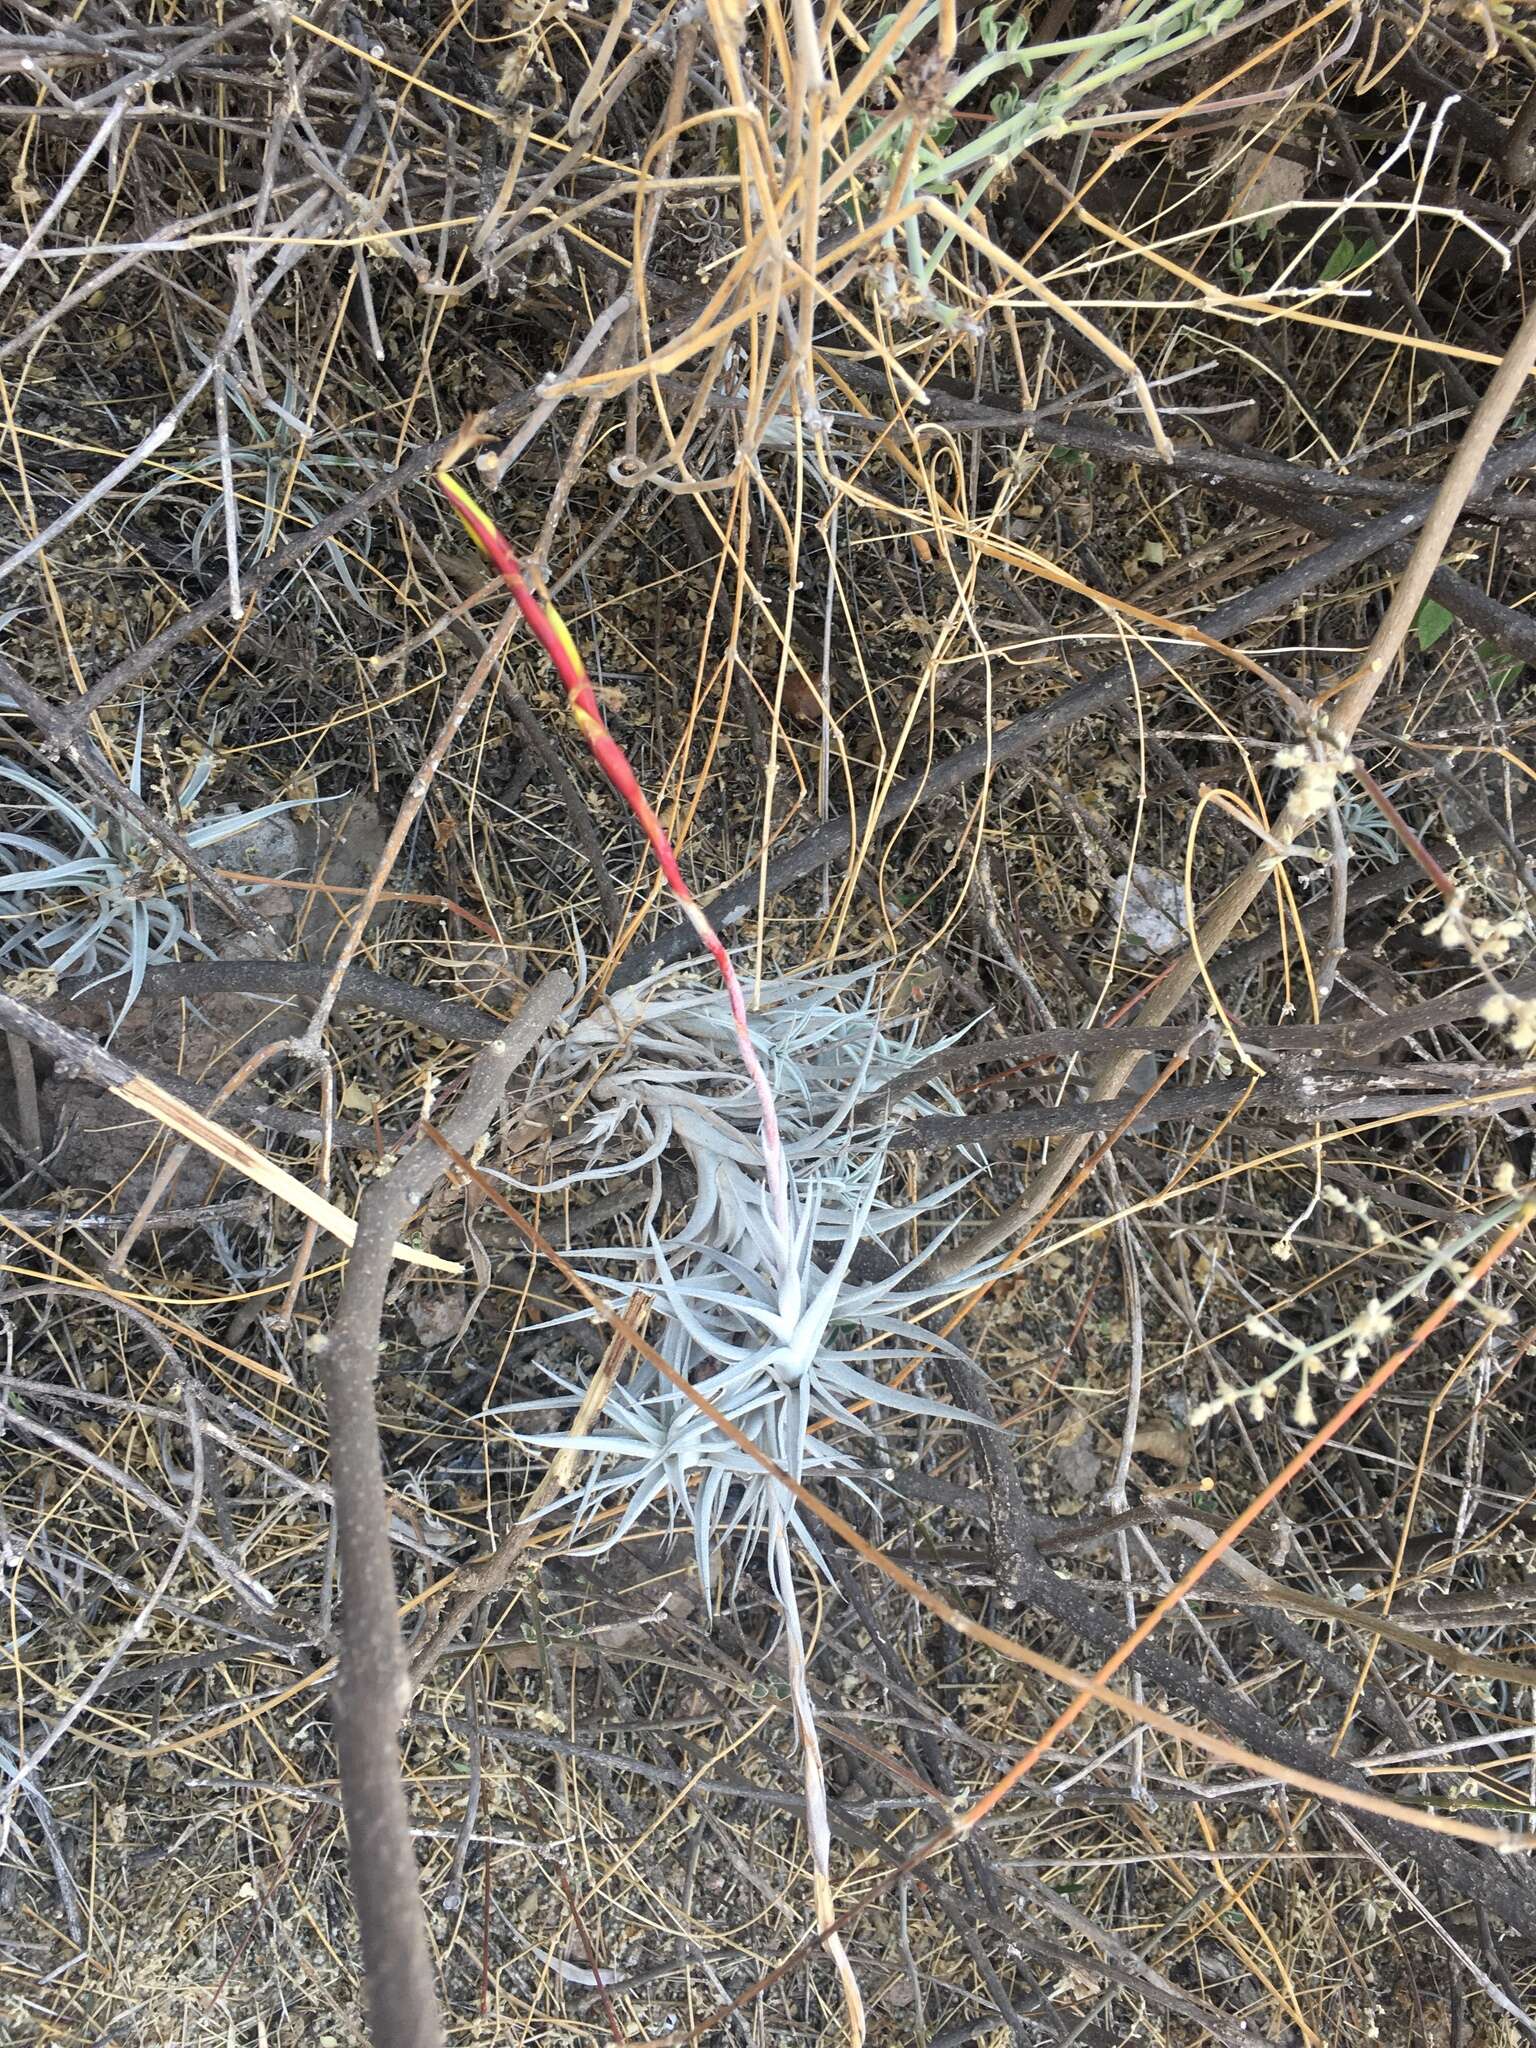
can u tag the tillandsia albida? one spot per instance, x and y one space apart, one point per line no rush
554 637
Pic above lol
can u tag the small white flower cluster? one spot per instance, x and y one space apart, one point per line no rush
1318 767
1358 1206
1348 1349
1458 1271
1257 1396
1487 939
1372 1326
1516 1017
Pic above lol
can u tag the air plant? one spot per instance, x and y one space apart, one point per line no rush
657 1065
107 904
288 475
757 1309
776 1338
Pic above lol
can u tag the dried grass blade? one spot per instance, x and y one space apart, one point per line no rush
238 1153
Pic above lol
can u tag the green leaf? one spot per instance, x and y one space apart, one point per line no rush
986 28
1347 258
1340 263
1431 624
1502 669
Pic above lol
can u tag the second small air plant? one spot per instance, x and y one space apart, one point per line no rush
794 1285
83 894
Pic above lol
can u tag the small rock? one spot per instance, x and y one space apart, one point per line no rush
1074 1462
1153 903
436 1313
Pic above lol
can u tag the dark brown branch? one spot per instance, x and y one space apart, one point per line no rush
1385 885
283 980
241 1209
1219 468
1298 1097
76 1055
1347 1038
1483 132
1513 630
71 1051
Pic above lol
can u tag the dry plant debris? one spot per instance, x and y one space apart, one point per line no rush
1041 494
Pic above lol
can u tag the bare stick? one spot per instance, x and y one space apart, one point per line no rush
371 1690
227 485
76 1054
284 980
